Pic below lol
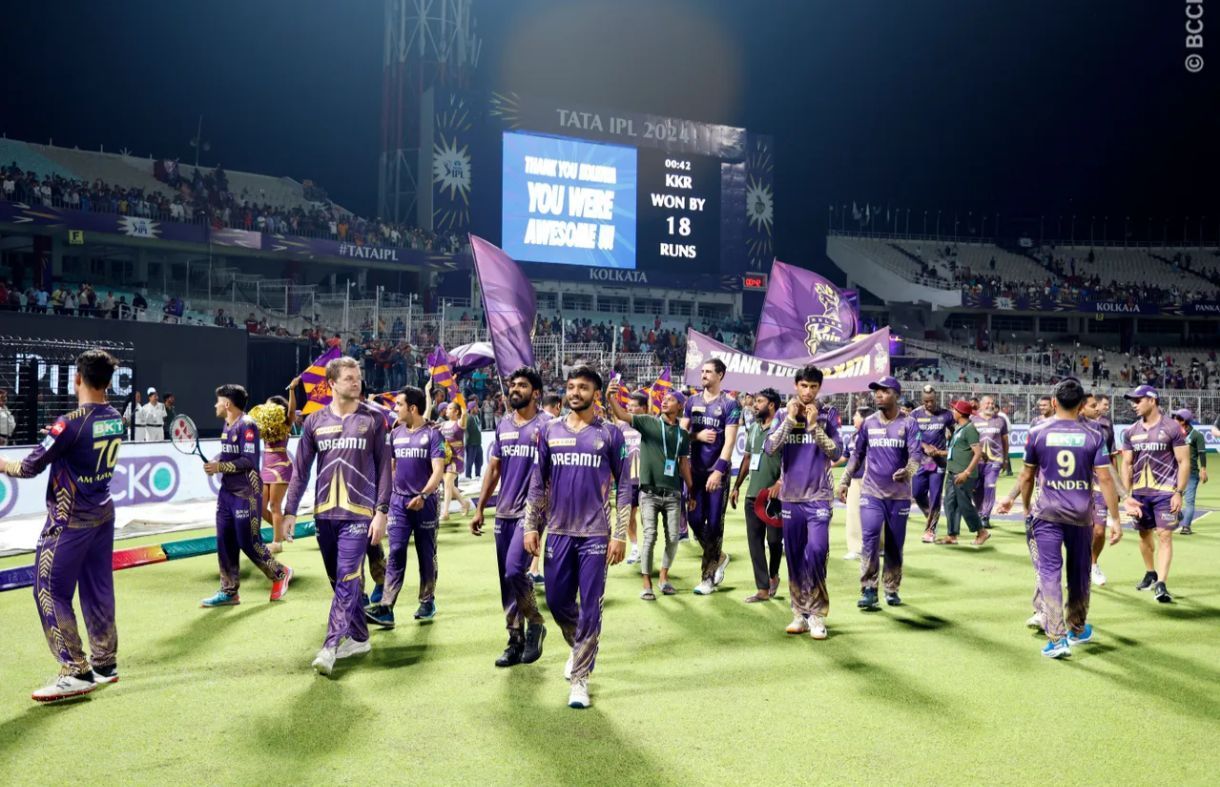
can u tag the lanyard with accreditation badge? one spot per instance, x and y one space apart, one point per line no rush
671 465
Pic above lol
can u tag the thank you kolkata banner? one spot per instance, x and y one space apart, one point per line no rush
848 369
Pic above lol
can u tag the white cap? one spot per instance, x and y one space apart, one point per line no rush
151 390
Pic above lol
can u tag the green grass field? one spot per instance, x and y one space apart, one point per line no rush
947 689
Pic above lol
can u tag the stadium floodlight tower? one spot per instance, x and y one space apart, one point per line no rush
428 43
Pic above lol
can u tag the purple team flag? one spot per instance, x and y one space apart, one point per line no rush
468 357
847 369
803 315
508 301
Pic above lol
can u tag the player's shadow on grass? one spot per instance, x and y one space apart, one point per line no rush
313 725
209 624
560 745
386 656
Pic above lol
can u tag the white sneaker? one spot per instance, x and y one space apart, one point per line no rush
718 576
351 647
798 625
634 556
1036 621
62 688
578 697
817 627
705 588
852 556
567 668
324 662
1099 578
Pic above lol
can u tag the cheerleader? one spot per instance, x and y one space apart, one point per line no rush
275 419
454 431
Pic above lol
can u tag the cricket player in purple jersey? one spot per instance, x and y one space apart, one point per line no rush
579 457
76 545
808 443
239 506
935 426
512 462
1091 413
1063 454
1156 468
712 417
419 468
351 501
888 444
376 554
637 404
993 436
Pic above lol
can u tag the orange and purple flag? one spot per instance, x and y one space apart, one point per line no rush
317 387
656 394
442 376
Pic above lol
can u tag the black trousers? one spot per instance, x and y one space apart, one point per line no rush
760 536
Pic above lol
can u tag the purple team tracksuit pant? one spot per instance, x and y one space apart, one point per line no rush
984 493
516 588
1048 541
806 546
577 564
68 558
343 543
402 525
927 487
239 522
878 514
707 521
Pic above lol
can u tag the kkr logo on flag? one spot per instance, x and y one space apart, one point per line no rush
824 327
321 390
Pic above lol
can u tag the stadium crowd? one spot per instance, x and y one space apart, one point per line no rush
205 198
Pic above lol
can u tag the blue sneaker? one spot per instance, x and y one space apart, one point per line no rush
1056 650
380 614
221 599
868 599
1083 637
537 579
375 598
426 611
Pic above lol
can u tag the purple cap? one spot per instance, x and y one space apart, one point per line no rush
1184 415
1139 392
886 382
676 394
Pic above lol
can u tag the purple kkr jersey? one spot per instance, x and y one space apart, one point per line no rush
805 465
516 448
414 450
455 435
990 431
570 484
885 448
1065 451
1154 468
82 449
1104 425
718 414
933 430
631 439
239 458
353 455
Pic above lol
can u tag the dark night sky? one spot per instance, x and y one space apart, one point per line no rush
1016 107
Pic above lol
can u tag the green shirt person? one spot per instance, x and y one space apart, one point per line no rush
962 462
664 459
762 470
